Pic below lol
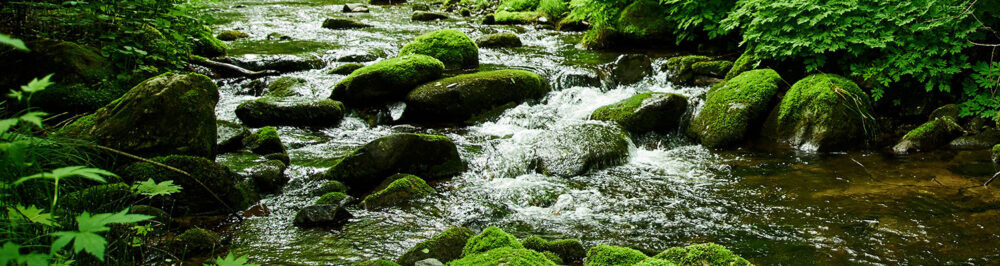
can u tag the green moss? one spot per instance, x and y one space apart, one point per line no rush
824 112
100 198
655 262
208 46
745 63
516 18
452 47
342 23
331 198
948 110
553 257
651 111
198 240
346 69
462 97
732 107
613 255
491 238
430 156
285 86
388 79
712 68
204 174
567 250
290 111
379 262
933 134
404 188
504 256
518 5
682 67
600 38
643 20
265 141
446 246
330 186
232 35
702 254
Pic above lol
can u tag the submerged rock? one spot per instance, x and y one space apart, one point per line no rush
270 111
576 149
330 186
208 179
428 16
387 80
646 112
733 108
230 136
631 68
403 188
232 35
464 97
445 247
278 63
274 36
343 23
567 250
455 49
823 112
579 78
498 40
929 136
378 262
164 115
505 256
322 215
429 156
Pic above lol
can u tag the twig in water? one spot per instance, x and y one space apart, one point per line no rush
987 184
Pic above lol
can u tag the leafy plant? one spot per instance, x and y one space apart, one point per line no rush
981 91
85 238
231 260
16 43
151 189
31 214
67 172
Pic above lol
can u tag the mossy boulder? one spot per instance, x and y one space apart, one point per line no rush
387 80
378 262
504 256
230 136
404 188
463 97
491 238
167 114
198 241
428 16
717 68
326 215
702 254
100 198
733 108
745 63
646 112
343 23
292 111
948 110
330 186
207 180
336 198
269 176
75 70
982 141
498 40
281 63
516 18
232 35
455 49
605 255
823 112
285 86
429 156
446 246
643 21
575 149
207 45
682 67
266 141
346 69
630 68
567 250
929 136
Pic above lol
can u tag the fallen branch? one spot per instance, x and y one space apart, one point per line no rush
230 69
991 179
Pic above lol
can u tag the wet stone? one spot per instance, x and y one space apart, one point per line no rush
428 16
343 24
322 215
631 68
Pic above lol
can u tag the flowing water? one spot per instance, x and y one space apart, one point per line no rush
770 206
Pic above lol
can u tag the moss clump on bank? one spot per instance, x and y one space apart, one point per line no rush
732 108
643 21
387 80
454 48
491 238
745 63
232 35
205 175
504 256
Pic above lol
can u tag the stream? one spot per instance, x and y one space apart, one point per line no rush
770 206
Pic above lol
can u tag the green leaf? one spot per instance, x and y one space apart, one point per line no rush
9 252
17 44
70 171
37 85
32 214
6 124
152 189
86 239
34 118
231 260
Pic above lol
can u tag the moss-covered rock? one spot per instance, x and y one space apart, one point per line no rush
207 45
504 256
733 108
823 112
100 198
702 254
682 67
455 49
206 181
265 141
387 80
167 114
631 68
198 241
717 68
553 257
334 198
294 111
285 86
745 63
646 112
462 97
404 188
982 141
446 246
575 149
343 24
230 136
281 63
378 262
929 136
232 35
330 186
499 40
948 110
429 156
602 255
322 215
346 69
269 176
516 18
643 21
428 16
567 250
491 238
